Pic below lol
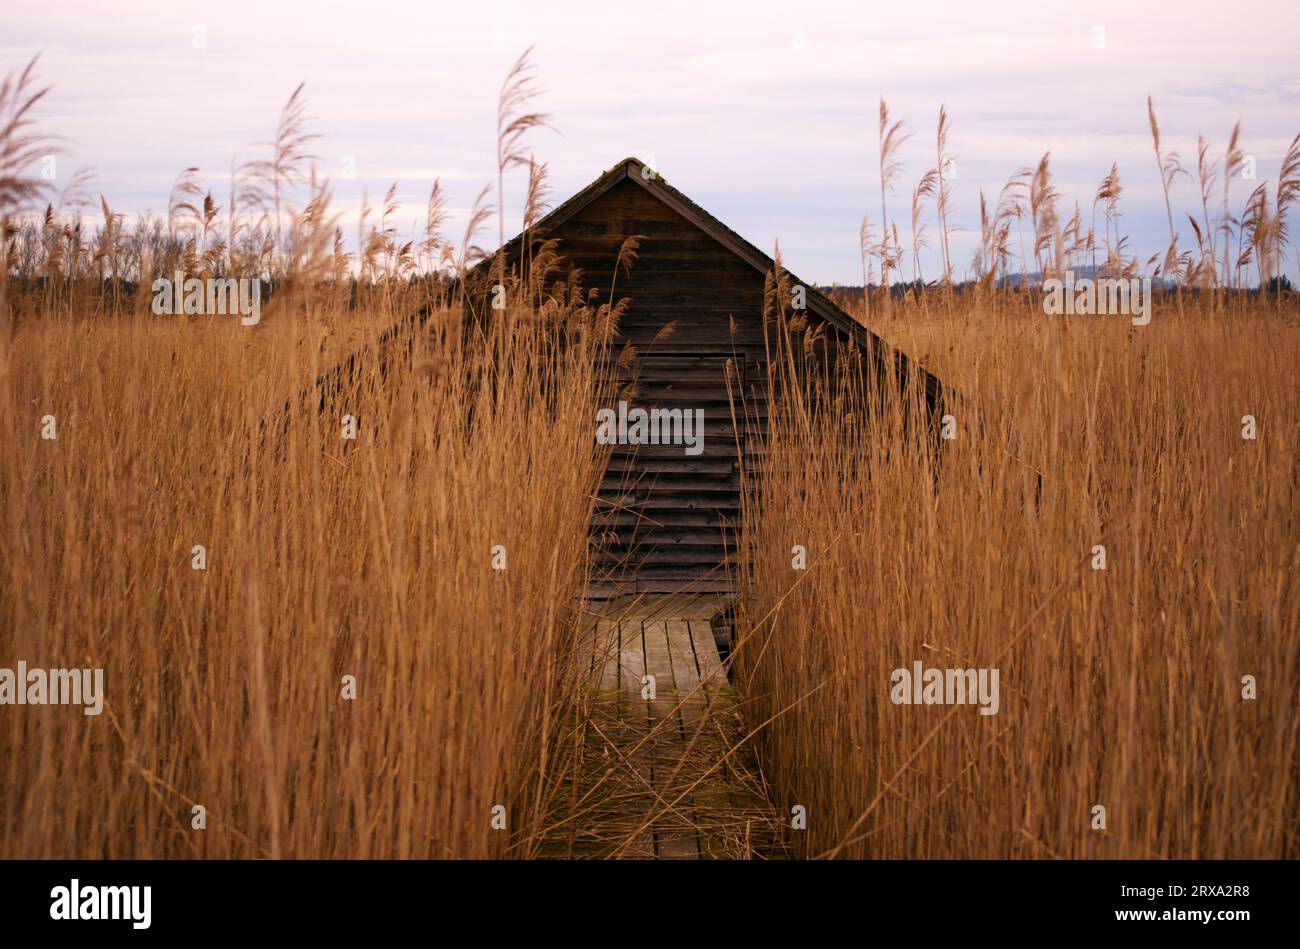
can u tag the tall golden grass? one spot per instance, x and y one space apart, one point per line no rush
1120 687
326 558
378 650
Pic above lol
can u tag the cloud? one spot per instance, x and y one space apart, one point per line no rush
767 118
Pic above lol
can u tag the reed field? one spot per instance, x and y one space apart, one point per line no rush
346 620
1120 687
324 558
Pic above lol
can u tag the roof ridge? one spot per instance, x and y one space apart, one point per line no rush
710 224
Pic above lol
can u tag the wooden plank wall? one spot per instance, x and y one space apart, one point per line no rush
665 518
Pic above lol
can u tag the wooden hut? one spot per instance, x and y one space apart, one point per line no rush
665 517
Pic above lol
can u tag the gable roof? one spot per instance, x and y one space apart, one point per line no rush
634 170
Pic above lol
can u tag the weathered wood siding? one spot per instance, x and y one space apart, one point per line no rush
665 518
695 320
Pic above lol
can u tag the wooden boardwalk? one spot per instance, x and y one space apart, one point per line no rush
665 769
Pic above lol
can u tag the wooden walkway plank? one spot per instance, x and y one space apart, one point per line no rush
605 657
686 674
680 843
674 831
669 780
659 665
631 657
636 713
712 673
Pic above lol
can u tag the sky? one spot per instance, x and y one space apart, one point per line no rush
764 113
